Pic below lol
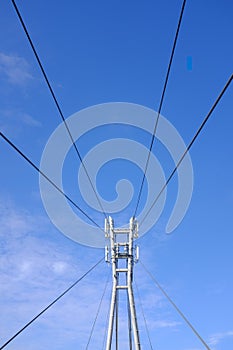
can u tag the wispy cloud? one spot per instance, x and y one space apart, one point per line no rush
15 69
35 269
166 324
13 121
216 338
29 120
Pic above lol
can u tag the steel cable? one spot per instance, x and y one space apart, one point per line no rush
51 304
55 100
98 310
143 315
176 307
160 105
190 145
48 179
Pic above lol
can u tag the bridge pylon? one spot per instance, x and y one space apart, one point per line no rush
122 253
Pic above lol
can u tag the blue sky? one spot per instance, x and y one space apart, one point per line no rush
98 53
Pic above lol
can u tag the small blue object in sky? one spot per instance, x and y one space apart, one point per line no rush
189 63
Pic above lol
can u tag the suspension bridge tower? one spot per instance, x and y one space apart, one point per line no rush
122 254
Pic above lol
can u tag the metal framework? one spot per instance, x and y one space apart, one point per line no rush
122 254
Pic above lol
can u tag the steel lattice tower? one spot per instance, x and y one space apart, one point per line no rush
121 253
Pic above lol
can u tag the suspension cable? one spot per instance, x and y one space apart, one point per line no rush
190 145
55 101
47 178
51 304
160 105
144 317
176 307
98 310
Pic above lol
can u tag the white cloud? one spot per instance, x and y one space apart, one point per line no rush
14 121
34 270
166 324
14 222
60 267
29 120
216 338
16 69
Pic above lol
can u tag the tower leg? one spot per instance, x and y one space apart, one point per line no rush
134 319
111 318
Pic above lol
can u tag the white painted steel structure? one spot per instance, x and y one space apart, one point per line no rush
122 254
